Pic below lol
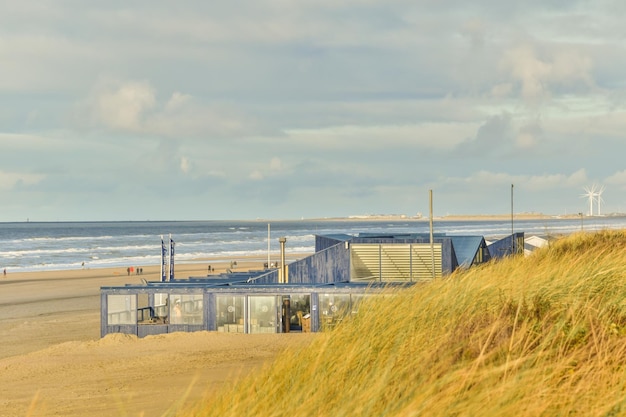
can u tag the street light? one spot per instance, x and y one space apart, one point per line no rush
581 221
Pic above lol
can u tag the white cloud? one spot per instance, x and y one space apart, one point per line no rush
256 175
123 107
9 180
529 135
618 179
538 75
133 106
424 135
185 165
177 101
502 90
485 178
276 164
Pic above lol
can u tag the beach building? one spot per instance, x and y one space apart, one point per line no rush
308 295
532 243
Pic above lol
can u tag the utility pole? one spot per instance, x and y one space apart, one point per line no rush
512 209
512 230
269 261
432 243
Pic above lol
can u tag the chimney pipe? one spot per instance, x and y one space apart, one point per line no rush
283 266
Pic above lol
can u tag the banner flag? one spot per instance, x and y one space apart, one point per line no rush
171 258
163 261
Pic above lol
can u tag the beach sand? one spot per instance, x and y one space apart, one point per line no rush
54 363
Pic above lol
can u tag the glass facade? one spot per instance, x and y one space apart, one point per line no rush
263 311
186 309
121 309
161 307
333 309
230 313
355 301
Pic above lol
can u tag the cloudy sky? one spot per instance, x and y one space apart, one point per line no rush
311 108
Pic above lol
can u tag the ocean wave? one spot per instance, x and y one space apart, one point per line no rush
50 247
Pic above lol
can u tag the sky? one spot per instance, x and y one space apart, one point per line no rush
276 109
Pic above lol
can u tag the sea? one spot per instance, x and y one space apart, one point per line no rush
47 246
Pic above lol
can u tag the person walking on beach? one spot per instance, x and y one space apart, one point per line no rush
128 271
5 272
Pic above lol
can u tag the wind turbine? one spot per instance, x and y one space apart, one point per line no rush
591 194
599 198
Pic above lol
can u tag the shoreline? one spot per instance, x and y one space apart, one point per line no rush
197 266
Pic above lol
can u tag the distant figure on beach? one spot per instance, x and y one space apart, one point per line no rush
83 265
5 272
128 271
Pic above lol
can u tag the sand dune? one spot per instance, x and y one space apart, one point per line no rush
53 362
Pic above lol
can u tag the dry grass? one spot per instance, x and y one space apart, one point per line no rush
537 336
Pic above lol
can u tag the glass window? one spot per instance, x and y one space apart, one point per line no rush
263 314
230 313
161 307
121 309
356 300
186 309
144 311
333 309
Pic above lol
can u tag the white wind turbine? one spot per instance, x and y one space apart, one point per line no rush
591 194
599 198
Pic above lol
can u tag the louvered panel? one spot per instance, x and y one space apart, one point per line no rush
364 262
422 261
394 262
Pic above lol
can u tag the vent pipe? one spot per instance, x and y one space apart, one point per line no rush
283 266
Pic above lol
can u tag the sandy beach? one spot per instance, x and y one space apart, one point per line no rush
54 363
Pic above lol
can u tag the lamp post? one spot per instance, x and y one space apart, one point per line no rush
512 230
512 209
581 221
432 239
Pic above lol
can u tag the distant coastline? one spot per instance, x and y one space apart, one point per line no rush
464 217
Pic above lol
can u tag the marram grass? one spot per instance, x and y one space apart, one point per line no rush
538 336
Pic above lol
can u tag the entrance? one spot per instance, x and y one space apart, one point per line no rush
296 312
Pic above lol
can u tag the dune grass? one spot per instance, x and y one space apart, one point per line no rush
538 336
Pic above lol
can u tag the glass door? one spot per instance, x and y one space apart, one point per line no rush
264 313
230 313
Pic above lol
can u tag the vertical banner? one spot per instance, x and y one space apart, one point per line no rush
163 260
171 258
